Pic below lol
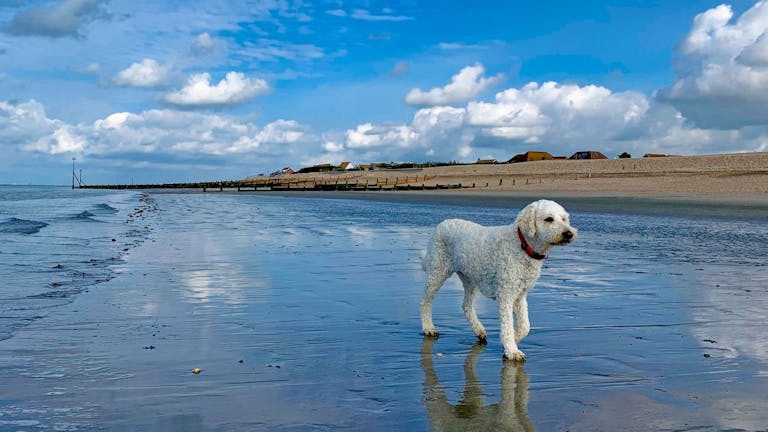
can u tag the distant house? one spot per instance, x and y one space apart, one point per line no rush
588 155
286 170
486 161
364 167
346 165
317 168
531 156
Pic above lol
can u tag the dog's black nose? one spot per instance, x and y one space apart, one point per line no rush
568 235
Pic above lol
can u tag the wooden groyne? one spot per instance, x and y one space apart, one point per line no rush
277 184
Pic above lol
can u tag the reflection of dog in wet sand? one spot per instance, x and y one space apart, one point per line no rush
469 414
501 262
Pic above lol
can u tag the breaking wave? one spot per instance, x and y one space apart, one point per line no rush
21 226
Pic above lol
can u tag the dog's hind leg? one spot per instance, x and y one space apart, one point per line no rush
468 305
522 325
436 277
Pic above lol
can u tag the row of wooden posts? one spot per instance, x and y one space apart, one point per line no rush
348 183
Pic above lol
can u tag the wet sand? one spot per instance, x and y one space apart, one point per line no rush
303 315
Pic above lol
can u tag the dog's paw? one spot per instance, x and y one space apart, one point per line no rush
431 333
517 356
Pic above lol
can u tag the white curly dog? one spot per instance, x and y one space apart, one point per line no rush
502 262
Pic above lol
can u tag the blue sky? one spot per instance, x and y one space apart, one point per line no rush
155 91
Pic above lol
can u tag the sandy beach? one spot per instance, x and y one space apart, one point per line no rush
742 176
301 312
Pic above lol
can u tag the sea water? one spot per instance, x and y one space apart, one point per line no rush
55 243
303 315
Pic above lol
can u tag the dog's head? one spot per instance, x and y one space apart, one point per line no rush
546 224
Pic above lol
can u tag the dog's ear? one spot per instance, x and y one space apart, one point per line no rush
528 220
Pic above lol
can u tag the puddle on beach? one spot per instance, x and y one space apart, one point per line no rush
303 315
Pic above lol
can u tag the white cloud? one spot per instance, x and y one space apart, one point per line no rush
367 136
553 111
61 140
277 132
333 146
170 133
27 126
464 86
561 118
440 128
722 69
24 123
146 74
235 88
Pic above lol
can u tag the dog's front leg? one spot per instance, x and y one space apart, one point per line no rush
506 318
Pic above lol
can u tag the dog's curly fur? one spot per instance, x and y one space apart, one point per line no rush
491 260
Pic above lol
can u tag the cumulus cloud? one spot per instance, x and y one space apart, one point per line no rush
146 74
277 132
367 136
62 140
464 86
561 118
722 69
65 18
432 131
569 112
235 88
152 132
26 122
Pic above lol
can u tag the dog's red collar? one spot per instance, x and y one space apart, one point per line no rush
527 248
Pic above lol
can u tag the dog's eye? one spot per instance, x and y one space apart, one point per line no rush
549 219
